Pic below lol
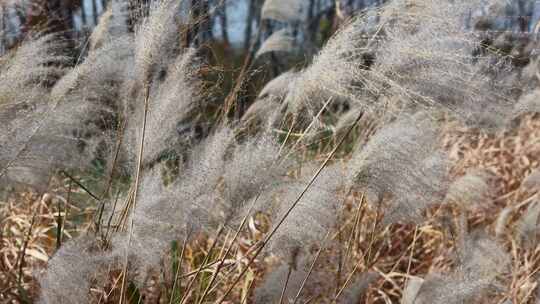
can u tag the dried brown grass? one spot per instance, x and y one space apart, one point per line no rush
27 225
396 252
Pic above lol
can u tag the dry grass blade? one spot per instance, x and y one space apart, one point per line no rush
177 273
24 247
228 250
311 267
311 124
136 185
78 183
60 219
347 281
415 235
205 261
357 219
282 295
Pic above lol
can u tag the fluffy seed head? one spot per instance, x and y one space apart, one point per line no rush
473 189
282 10
280 41
401 166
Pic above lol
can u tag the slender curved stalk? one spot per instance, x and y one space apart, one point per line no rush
284 217
349 278
311 267
136 186
415 236
179 267
206 258
356 223
222 261
284 290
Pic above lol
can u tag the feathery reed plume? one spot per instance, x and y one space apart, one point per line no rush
357 289
103 69
112 23
88 94
418 59
25 74
332 74
502 220
100 31
158 220
72 269
85 113
400 165
482 261
527 227
282 10
367 125
30 68
242 172
173 108
418 56
279 86
347 119
280 41
196 189
532 181
158 61
165 212
252 167
427 60
213 189
270 289
315 214
475 188
161 69
156 41
528 103
266 108
412 288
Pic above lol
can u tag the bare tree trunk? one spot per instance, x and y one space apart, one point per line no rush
249 25
311 11
94 12
83 15
524 14
274 62
222 13
314 22
205 22
3 38
259 24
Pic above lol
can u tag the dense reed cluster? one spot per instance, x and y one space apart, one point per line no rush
348 149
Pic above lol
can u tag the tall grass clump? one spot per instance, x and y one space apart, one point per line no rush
350 179
419 56
27 72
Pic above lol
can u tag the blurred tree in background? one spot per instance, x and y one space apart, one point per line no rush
229 33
